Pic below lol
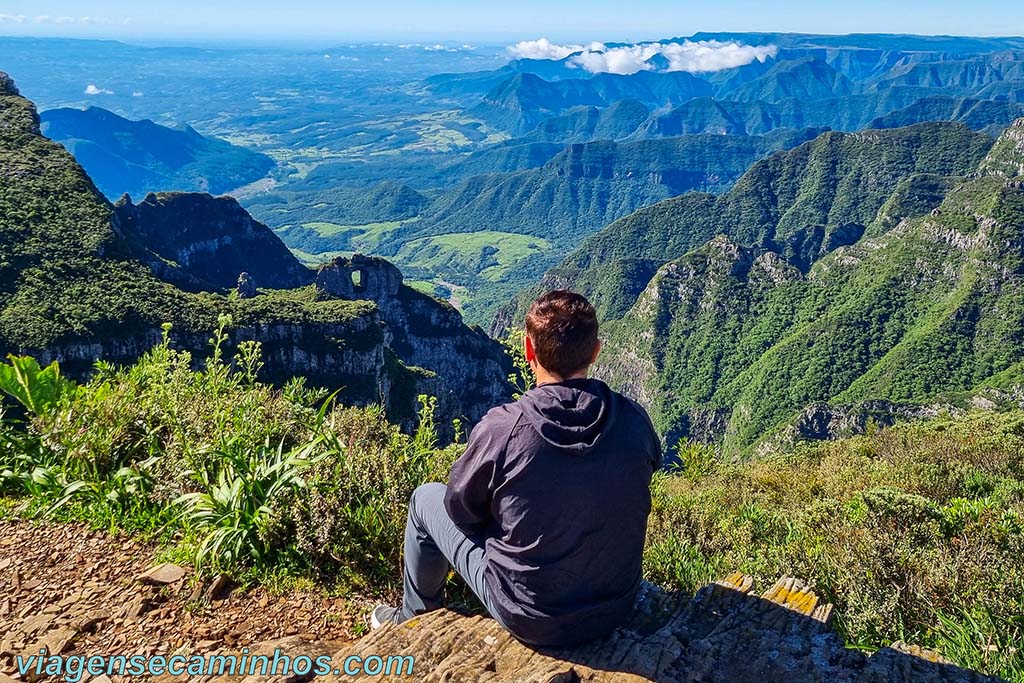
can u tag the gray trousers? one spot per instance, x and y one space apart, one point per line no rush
432 543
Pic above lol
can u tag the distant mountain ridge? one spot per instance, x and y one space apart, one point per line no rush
137 157
803 71
587 185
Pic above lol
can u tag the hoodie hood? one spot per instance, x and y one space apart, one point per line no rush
572 415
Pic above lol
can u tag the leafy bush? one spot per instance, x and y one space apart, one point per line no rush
232 509
37 389
350 518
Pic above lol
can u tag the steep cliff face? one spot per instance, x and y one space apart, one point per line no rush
347 351
1007 155
206 241
467 369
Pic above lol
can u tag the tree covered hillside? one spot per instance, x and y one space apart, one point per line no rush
802 203
730 340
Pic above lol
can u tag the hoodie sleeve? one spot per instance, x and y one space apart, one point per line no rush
475 476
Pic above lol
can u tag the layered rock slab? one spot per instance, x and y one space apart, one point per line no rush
725 633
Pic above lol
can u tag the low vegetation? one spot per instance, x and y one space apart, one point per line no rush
239 476
915 532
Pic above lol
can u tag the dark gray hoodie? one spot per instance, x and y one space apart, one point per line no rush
558 483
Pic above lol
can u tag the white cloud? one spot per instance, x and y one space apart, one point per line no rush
59 20
91 89
694 57
542 48
50 19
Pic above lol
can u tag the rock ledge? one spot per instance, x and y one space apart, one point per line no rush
724 633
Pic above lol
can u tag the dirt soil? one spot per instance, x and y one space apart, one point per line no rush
70 590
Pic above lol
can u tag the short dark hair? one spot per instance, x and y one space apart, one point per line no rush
563 328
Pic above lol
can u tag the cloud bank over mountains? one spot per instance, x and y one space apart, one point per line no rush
691 56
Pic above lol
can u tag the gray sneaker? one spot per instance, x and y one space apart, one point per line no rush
383 614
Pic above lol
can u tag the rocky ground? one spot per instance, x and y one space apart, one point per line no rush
67 590
74 591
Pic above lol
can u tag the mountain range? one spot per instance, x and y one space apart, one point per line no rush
836 224
530 157
876 265
138 157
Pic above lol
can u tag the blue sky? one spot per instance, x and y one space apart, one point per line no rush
497 21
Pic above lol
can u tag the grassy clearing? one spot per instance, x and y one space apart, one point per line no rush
491 255
359 237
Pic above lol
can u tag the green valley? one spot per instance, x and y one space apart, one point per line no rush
490 255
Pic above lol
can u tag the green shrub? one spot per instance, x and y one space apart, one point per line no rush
913 532
37 389
215 457
232 510
981 640
350 518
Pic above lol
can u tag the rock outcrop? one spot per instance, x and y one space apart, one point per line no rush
204 242
93 594
360 277
822 421
1007 155
425 333
726 633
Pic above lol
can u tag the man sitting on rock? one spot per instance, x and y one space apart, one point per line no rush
545 513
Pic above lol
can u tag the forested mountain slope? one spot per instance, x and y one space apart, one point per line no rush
801 203
732 339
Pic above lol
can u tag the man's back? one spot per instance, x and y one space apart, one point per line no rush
558 484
